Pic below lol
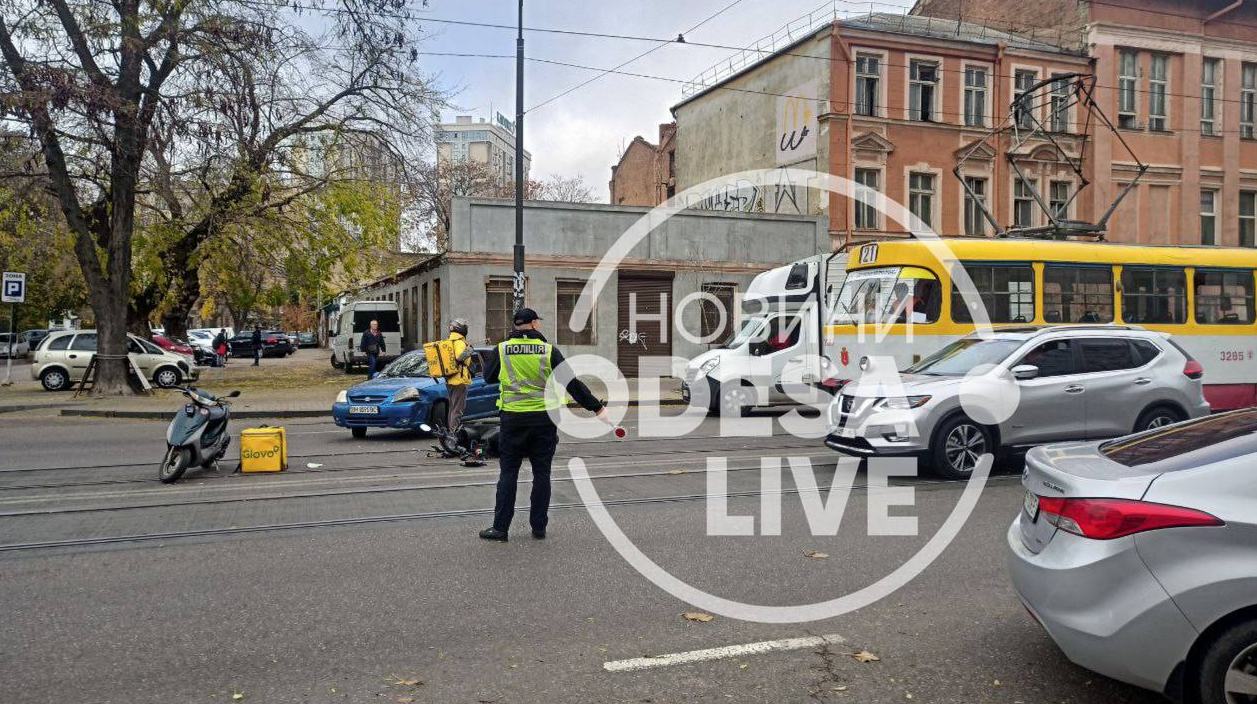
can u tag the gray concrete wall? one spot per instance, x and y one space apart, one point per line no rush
589 230
734 127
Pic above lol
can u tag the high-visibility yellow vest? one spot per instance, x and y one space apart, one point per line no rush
524 369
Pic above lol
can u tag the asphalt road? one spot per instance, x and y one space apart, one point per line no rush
361 580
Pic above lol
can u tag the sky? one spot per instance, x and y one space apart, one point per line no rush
583 132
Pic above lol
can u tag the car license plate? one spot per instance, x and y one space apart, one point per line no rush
1031 506
365 410
846 432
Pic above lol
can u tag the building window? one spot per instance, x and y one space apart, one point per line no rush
1224 297
1023 203
1209 70
868 73
1058 105
921 197
567 293
975 96
1248 100
1127 78
975 194
717 313
865 213
1155 296
1058 199
1025 112
1157 79
1077 294
1208 216
1006 291
497 309
923 84
1248 219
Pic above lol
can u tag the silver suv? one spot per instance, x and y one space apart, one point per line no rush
1020 386
62 359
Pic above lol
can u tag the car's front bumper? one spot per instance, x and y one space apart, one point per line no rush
407 414
1100 604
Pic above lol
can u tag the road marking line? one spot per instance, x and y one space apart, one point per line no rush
729 651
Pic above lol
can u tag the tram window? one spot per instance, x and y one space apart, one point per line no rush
1154 295
1224 297
1006 291
1077 294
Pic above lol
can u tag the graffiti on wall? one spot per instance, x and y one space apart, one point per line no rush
795 138
778 193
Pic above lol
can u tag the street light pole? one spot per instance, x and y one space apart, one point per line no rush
517 285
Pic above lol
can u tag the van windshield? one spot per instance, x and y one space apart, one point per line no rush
388 319
746 333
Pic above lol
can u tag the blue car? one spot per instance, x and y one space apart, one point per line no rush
405 396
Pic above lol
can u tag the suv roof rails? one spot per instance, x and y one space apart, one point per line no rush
1053 327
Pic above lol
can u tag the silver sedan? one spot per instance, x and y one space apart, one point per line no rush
1139 556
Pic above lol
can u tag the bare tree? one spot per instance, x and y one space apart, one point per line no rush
571 189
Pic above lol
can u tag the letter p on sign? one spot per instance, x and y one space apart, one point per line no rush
14 287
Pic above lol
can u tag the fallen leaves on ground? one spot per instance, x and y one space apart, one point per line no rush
817 555
400 682
865 656
677 471
696 616
237 695
405 700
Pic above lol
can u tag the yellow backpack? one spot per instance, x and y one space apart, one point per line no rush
441 359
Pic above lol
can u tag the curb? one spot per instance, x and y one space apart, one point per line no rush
33 407
299 413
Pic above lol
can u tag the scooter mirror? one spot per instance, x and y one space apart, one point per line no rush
233 394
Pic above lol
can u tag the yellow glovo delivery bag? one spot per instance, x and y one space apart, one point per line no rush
263 450
441 362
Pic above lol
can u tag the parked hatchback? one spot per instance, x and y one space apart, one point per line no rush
1071 383
13 343
1139 556
62 360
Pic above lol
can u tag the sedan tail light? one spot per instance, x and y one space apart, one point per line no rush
1193 370
1106 519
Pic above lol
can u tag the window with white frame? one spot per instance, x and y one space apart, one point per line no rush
1058 105
1127 79
975 96
1208 216
975 198
867 180
1158 76
921 196
1210 73
868 76
1248 218
1024 78
1023 202
1248 100
922 90
1058 198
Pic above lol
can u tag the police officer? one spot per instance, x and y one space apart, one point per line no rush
523 364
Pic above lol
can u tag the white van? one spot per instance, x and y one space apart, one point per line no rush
354 319
770 359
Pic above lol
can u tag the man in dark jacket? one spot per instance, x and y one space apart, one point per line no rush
372 345
522 365
257 344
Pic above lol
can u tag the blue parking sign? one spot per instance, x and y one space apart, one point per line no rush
14 287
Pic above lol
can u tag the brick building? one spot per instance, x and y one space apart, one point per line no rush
894 102
1180 79
645 174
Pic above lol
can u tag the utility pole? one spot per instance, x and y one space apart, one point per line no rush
517 284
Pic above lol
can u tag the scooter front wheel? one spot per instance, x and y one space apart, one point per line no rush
175 464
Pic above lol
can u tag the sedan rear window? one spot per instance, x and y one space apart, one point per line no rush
1193 444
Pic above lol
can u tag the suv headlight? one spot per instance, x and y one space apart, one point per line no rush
902 403
409 393
706 367
343 396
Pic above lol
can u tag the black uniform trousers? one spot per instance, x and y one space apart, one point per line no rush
537 443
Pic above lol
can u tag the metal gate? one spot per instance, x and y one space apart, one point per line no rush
649 295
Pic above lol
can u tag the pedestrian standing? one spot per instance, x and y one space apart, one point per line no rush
372 345
522 366
257 344
456 384
220 347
